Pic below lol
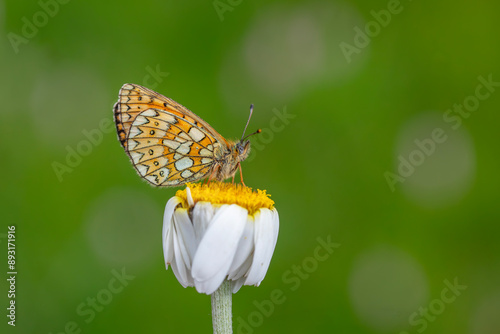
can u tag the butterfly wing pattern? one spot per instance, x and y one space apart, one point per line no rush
167 143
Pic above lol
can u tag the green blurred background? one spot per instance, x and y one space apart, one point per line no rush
347 153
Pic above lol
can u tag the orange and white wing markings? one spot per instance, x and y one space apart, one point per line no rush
168 144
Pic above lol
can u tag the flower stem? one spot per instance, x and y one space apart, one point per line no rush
221 309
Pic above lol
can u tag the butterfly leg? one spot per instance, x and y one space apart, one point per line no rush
235 172
241 175
210 178
213 174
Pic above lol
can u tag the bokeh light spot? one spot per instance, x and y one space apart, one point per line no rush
386 286
287 50
67 100
485 319
122 225
442 158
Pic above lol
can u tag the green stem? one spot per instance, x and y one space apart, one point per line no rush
221 309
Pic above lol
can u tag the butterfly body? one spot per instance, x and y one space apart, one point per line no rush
168 144
227 161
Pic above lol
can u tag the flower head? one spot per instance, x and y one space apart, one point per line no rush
219 231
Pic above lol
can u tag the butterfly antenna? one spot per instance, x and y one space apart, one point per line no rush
251 112
258 131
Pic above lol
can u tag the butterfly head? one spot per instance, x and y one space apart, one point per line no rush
242 149
243 146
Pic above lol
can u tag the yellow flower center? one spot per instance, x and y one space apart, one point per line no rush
227 193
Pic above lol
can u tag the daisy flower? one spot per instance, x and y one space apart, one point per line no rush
219 235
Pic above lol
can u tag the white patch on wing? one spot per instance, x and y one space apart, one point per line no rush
136 157
127 87
183 163
184 135
132 144
134 131
206 153
163 126
152 178
168 118
196 134
171 143
185 147
177 156
143 169
149 112
187 173
140 120
206 160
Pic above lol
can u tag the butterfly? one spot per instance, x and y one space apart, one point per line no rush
169 145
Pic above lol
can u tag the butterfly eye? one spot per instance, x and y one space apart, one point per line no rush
240 148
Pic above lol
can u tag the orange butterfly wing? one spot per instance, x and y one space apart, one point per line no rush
167 143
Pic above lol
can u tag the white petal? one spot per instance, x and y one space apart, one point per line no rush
276 224
189 197
184 282
181 272
167 226
244 251
212 284
203 214
185 233
266 235
238 284
216 250
168 247
243 269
